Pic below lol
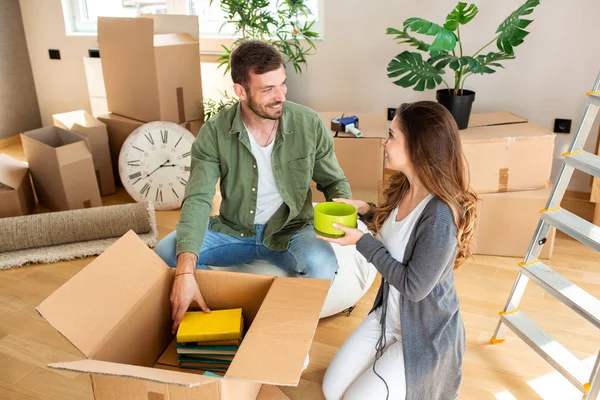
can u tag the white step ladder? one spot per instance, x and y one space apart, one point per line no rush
583 303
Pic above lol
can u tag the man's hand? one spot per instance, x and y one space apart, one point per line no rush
361 206
185 289
352 236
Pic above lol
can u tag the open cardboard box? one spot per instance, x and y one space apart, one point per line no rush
507 153
117 312
151 67
16 193
86 125
61 168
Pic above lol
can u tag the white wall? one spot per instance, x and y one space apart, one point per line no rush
554 68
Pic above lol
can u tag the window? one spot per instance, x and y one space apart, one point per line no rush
82 15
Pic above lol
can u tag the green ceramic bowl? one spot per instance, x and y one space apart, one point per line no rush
330 212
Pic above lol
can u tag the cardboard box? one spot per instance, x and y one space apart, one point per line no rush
361 158
507 222
95 131
372 195
16 193
506 153
117 312
119 128
151 67
61 168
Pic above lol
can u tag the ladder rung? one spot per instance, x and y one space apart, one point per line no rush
546 346
595 99
574 226
586 162
565 291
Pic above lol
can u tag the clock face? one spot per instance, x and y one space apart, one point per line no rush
154 163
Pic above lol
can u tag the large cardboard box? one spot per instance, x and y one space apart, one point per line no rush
16 193
151 67
95 131
507 222
62 168
507 153
117 312
119 128
361 158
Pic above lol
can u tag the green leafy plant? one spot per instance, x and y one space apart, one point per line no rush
410 69
282 28
212 107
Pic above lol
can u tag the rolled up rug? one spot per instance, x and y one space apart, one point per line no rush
66 235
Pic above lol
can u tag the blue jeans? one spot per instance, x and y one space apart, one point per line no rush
307 256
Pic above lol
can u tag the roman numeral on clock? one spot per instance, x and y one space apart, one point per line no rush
145 190
159 195
149 137
136 175
164 136
183 181
134 163
187 169
184 155
175 193
178 142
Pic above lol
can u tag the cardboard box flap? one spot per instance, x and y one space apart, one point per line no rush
275 347
499 118
268 392
77 120
171 23
173 39
11 171
132 371
505 132
91 304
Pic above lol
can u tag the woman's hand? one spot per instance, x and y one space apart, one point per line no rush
361 206
351 235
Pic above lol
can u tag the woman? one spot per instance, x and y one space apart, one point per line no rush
411 344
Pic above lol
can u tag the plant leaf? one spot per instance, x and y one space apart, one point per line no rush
409 69
512 30
445 39
461 14
404 37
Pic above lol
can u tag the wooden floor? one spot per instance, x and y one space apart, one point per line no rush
507 371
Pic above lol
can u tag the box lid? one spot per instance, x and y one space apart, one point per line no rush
510 132
119 277
12 171
275 347
173 39
132 371
171 23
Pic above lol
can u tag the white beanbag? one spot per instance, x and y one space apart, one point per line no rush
355 276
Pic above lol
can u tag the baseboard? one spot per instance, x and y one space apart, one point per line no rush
10 141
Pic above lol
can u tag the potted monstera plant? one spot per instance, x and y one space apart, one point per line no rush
411 69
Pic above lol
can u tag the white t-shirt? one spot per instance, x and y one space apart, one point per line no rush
394 235
268 197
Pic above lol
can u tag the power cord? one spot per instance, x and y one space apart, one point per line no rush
382 342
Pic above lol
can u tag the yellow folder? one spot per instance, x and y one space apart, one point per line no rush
197 326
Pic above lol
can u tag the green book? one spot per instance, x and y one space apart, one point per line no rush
183 358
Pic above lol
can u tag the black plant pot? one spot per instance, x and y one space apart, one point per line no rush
459 106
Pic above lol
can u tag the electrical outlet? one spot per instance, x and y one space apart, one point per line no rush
390 113
54 54
562 125
94 53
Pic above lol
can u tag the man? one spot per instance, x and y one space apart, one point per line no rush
265 151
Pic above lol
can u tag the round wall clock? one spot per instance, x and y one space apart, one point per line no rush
154 163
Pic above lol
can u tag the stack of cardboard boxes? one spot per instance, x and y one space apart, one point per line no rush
510 162
151 70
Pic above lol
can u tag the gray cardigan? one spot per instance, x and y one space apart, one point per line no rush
433 334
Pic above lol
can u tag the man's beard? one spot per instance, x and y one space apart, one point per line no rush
263 112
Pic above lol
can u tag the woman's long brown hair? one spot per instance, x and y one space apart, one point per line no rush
434 147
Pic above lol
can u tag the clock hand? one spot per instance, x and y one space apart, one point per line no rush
157 168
